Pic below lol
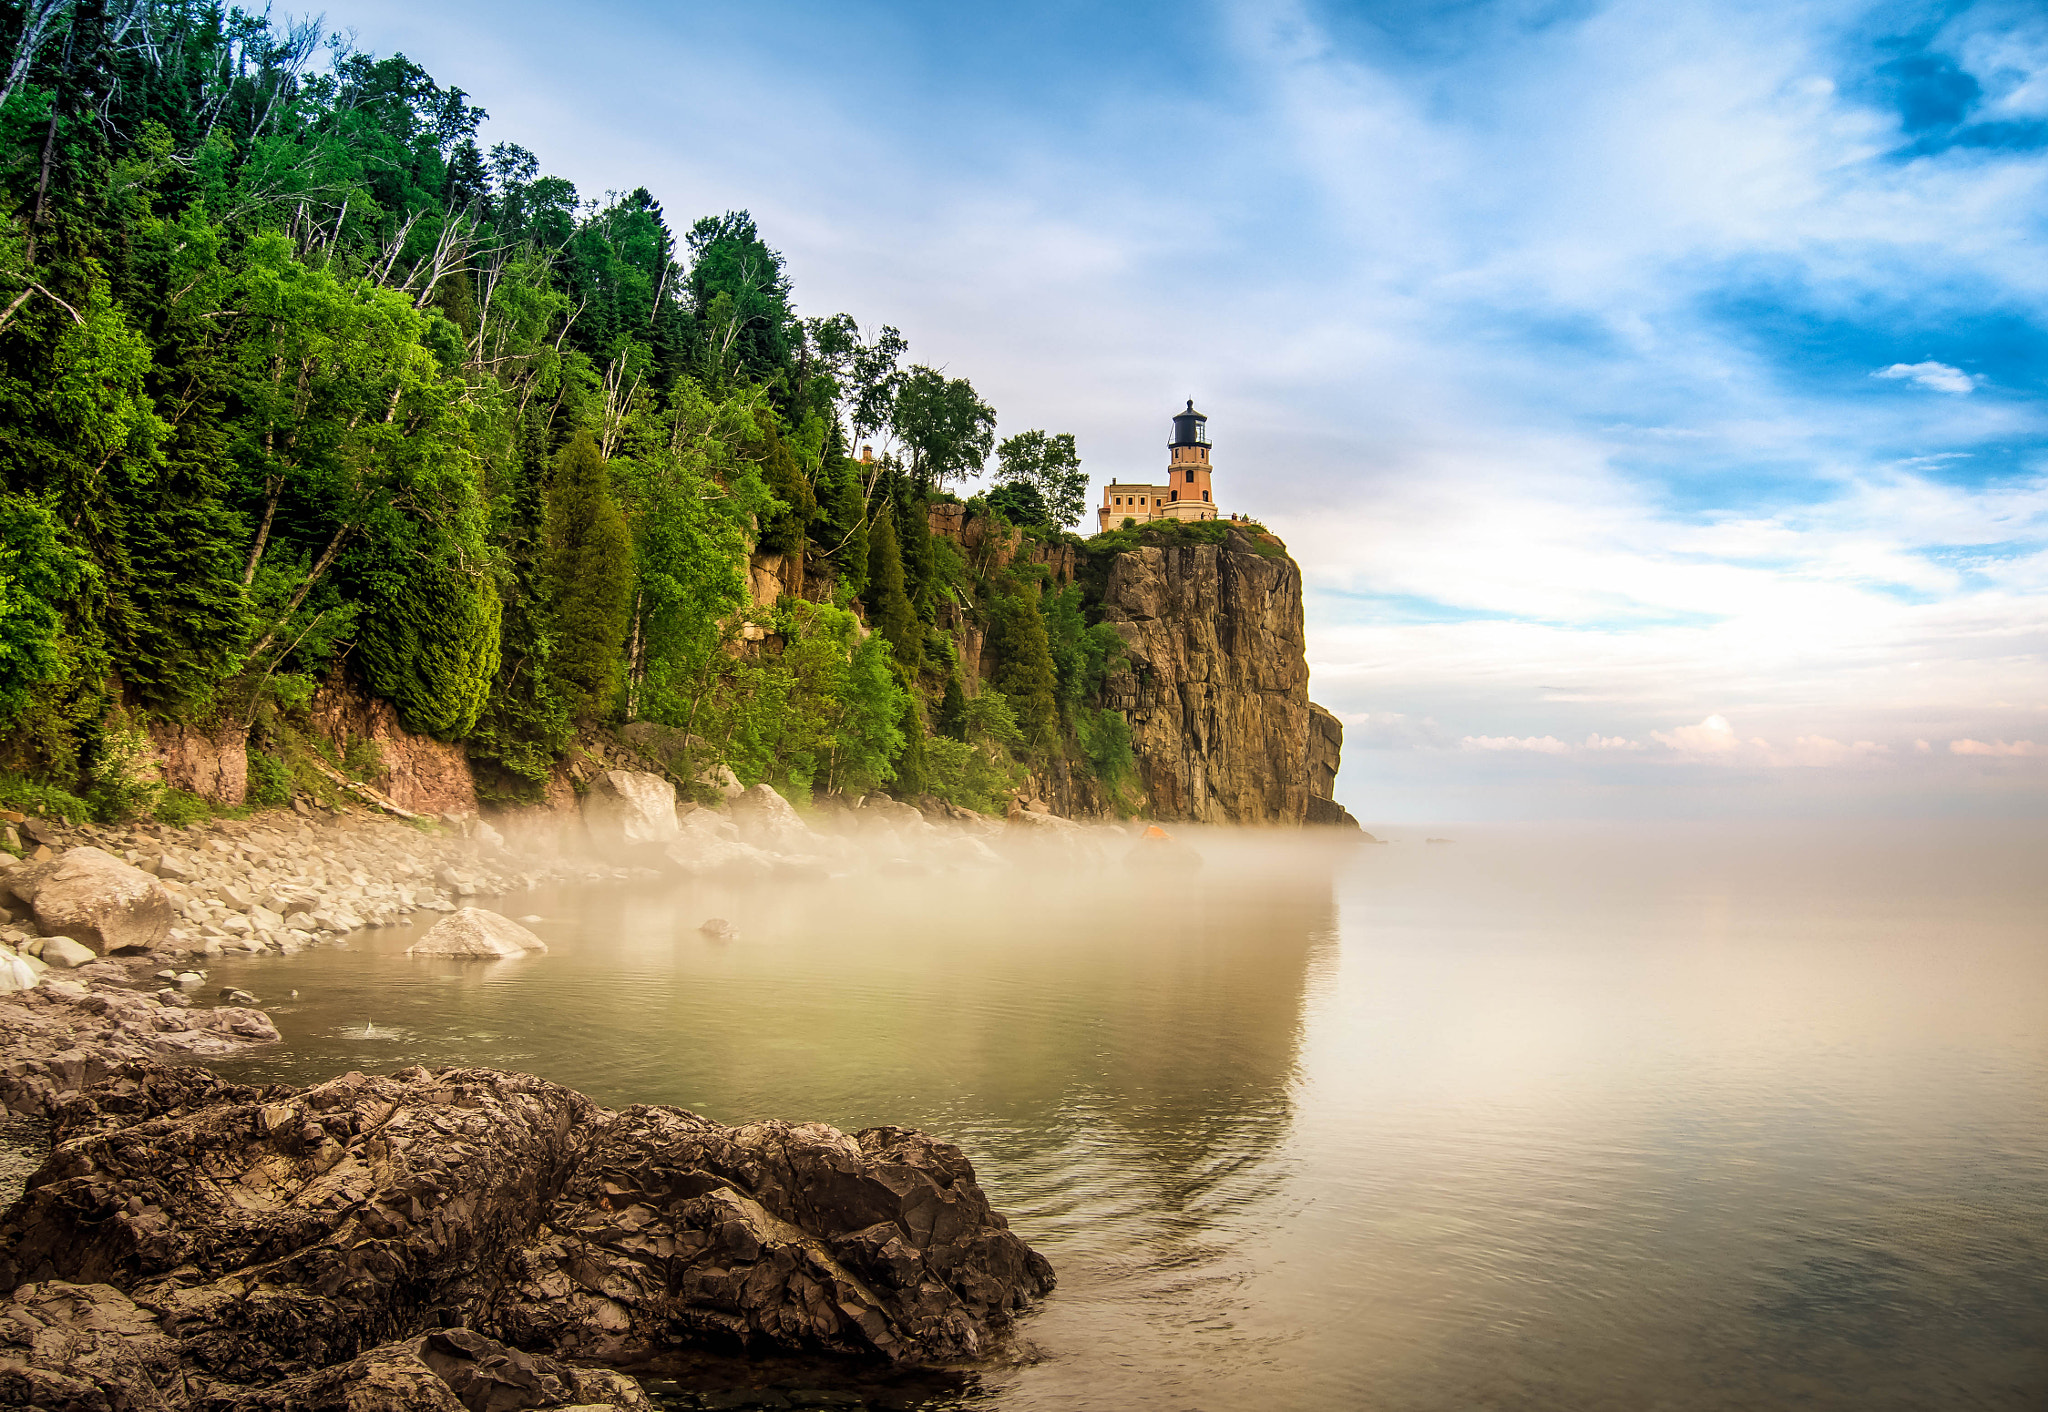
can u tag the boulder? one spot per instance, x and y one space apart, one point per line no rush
471 932
63 951
626 807
766 820
93 897
719 929
18 972
705 855
366 1212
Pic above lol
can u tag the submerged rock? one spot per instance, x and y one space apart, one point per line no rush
1159 851
474 933
719 929
366 1212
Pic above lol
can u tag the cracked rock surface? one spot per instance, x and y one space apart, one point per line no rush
244 1240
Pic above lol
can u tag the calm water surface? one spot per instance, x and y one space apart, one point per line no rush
1536 1120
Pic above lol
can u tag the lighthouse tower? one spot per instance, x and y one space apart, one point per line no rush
1187 467
1185 496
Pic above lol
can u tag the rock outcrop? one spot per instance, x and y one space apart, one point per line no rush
67 1034
417 772
211 763
1325 753
352 1219
1216 683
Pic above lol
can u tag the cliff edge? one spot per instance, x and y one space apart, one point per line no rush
1215 686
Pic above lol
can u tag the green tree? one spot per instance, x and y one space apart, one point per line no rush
741 299
1025 674
889 610
429 646
948 428
590 578
1034 466
37 573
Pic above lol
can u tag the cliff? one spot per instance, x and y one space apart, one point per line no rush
1216 683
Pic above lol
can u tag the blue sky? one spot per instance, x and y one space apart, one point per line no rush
1656 394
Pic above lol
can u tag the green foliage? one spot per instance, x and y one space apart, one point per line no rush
37 573
124 784
270 782
1132 535
589 578
889 610
180 808
430 647
42 801
953 709
784 526
1040 480
1105 741
1082 655
948 428
303 377
1026 675
362 759
826 715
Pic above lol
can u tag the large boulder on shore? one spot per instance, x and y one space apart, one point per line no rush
625 807
366 1211
95 899
472 933
766 820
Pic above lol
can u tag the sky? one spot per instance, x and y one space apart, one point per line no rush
1655 394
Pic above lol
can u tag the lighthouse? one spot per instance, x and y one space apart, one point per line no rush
1187 494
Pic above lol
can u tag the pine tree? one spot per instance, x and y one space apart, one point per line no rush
889 611
590 578
1026 676
953 709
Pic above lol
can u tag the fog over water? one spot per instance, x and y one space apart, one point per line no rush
1541 1118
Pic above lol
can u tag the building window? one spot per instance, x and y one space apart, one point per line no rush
1201 431
1205 495
1191 477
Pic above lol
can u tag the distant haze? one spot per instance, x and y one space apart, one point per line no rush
1652 392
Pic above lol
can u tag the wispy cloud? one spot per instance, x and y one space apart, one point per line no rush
2005 748
1939 377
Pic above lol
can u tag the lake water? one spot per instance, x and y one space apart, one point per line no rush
1538 1119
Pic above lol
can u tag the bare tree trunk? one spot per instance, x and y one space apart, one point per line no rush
35 222
275 488
313 576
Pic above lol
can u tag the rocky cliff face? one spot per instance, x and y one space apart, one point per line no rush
1216 685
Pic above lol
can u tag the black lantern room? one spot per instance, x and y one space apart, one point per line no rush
1190 428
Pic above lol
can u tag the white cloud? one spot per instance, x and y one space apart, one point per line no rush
1597 741
1540 744
1995 747
1939 377
1713 736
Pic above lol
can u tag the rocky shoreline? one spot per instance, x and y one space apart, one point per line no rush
636 1233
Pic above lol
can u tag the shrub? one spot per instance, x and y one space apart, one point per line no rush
270 782
178 807
123 773
42 801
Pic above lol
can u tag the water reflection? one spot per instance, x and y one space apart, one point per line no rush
1537 1120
